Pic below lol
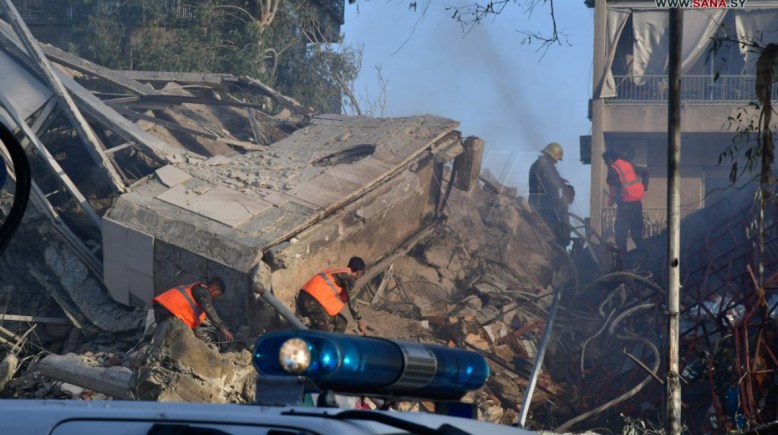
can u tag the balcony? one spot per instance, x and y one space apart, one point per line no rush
695 89
654 221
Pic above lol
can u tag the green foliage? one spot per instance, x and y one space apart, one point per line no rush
746 126
218 37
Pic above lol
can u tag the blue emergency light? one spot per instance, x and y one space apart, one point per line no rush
366 365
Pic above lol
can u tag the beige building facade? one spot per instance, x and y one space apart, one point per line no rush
628 108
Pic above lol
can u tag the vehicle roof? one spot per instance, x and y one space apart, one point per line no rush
41 416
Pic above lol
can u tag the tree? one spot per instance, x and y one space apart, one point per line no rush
283 43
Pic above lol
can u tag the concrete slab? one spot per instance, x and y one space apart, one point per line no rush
171 176
220 203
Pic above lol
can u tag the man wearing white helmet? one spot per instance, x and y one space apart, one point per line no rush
545 187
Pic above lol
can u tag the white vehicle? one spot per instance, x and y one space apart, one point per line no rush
69 417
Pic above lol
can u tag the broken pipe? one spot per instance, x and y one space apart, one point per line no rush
260 285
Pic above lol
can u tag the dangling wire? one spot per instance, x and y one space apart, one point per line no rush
21 168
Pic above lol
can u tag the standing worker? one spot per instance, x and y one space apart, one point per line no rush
545 185
323 297
192 304
568 197
626 191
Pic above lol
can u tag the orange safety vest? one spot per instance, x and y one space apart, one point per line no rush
324 289
181 303
631 186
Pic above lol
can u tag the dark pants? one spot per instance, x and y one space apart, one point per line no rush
308 306
161 313
561 230
629 220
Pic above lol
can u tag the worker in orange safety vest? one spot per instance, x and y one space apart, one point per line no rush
323 297
626 191
192 304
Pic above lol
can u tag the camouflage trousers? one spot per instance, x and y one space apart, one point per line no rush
319 319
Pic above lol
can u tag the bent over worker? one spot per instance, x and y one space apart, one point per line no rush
627 191
323 297
192 304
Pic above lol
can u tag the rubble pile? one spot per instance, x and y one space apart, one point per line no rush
479 282
484 293
228 175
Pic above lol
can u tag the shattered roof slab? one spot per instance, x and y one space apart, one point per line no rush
258 199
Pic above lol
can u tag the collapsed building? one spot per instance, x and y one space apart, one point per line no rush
146 180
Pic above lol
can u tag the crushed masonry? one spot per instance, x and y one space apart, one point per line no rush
256 188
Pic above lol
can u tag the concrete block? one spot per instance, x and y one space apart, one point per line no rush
114 240
116 280
140 284
468 164
140 252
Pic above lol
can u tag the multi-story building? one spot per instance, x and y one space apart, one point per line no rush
628 108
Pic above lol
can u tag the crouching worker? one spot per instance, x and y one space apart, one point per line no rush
192 304
323 297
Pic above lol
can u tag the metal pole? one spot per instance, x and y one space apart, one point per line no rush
533 379
674 221
281 309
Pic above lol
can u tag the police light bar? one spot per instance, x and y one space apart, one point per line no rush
366 365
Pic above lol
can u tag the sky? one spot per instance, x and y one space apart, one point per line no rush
514 97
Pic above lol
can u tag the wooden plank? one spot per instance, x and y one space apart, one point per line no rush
85 66
154 101
384 282
34 319
289 103
43 121
131 114
119 147
135 116
256 128
178 77
85 132
218 80
118 124
44 116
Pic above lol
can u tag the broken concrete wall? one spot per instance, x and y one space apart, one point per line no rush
370 228
174 266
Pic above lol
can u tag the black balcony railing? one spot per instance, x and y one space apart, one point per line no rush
694 88
654 221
